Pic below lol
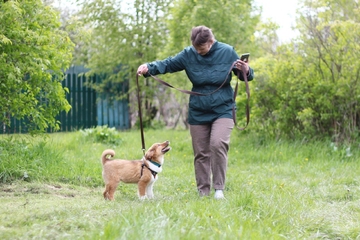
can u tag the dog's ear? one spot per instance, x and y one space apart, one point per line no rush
149 154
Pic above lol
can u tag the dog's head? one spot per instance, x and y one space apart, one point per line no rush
156 152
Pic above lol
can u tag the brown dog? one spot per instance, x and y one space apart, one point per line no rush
143 172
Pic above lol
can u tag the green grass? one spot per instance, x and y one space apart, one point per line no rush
275 190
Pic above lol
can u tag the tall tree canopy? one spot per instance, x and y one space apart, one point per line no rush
123 33
233 22
33 56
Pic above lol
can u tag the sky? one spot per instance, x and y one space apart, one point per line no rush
282 12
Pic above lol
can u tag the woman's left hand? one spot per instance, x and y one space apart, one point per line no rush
242 65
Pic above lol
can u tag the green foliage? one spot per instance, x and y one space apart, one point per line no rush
102 134
307 89
266 39
123 35
34 53
232 22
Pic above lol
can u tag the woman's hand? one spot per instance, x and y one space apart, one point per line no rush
143 69
241 65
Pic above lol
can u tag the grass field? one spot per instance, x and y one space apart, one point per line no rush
52 189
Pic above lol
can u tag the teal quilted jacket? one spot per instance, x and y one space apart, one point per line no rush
206 73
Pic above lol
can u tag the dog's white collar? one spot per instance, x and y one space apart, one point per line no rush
154 166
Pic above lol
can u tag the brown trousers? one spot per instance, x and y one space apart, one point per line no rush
211 144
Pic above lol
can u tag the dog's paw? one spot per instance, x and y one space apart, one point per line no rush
142 198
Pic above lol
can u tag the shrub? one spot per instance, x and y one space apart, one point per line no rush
102 134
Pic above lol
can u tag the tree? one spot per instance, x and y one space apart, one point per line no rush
310 90
233 22
123 37
331 46
34 54
267 39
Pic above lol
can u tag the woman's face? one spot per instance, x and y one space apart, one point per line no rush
204 49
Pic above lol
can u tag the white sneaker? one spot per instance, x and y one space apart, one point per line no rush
219 194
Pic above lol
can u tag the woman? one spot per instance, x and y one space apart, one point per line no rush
207 63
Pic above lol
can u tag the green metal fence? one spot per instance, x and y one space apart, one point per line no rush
88 109
82 99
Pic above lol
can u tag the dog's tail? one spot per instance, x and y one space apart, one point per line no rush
105 153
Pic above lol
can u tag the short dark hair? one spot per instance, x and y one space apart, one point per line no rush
201 35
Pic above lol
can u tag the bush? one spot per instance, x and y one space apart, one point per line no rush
102 134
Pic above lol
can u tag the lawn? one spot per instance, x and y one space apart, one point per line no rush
52 189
